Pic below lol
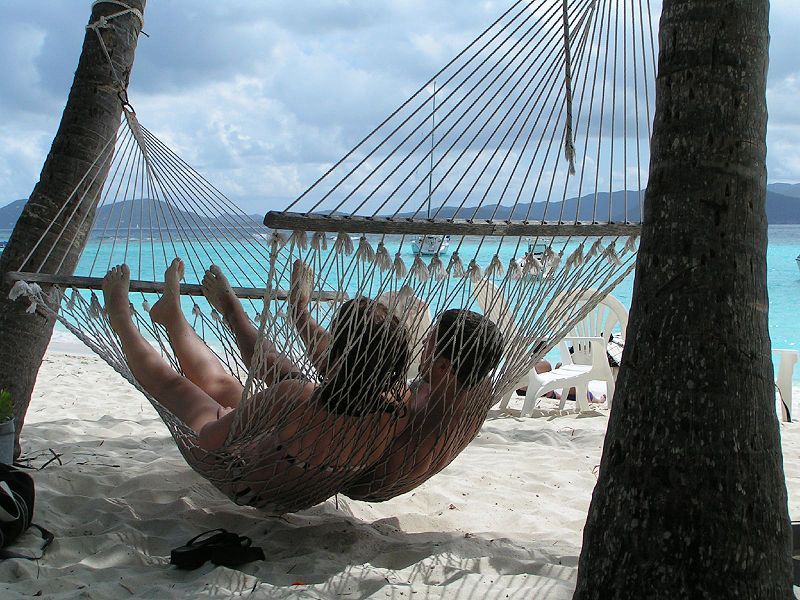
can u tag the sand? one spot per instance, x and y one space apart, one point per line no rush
503 521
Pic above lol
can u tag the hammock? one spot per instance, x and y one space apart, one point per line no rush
505 163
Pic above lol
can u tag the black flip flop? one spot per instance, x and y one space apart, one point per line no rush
239 554
204 547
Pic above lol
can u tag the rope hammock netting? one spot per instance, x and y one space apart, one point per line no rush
520 166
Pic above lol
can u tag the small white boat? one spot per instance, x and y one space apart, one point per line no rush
430 244
534 251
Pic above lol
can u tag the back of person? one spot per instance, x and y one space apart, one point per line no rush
447 406
428 443
307 452
314 438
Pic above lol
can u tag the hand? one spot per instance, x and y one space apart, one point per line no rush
224 410
302 283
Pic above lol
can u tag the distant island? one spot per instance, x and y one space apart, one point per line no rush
783 208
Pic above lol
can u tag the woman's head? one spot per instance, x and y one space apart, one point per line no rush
368 357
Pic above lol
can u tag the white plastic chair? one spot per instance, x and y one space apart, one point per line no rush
579 367
607 317
783 380
592 362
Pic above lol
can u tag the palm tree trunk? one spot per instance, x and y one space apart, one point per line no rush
691 497
91 117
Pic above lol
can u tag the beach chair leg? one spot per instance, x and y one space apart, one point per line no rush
505 399
582 395
528 405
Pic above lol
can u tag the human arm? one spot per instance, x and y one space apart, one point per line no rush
407 457
315 337
214 433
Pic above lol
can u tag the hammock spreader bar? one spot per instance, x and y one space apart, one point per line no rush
157 287
479 227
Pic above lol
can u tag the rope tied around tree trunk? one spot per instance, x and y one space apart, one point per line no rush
104 23
127 9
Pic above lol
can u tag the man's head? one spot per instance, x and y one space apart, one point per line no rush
464 344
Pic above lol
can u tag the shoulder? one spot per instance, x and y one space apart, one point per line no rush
288 391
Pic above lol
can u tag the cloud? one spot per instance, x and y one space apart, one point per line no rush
263 97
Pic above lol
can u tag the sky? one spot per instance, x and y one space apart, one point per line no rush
261 97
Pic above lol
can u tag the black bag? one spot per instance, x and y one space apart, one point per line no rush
614 350
16 509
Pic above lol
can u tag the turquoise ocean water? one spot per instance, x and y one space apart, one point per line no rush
783 277
783 287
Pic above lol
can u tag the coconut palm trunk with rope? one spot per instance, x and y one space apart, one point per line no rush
90 119
691 497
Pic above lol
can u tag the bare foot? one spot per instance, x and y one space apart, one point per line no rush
302 283
169 305
218 291
116 284
595 399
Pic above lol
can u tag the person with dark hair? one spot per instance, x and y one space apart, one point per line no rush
470 342
447 406
365 357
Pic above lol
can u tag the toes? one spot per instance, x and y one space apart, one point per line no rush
208 280
116 280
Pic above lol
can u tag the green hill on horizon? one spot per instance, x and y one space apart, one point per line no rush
783 208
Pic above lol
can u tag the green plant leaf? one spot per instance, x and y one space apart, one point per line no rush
6 407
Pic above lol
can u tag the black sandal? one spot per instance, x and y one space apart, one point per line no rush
239 554
219 546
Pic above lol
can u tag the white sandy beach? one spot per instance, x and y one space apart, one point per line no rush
504 520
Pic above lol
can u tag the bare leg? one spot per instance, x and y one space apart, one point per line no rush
219 294
179 395
198 363
543 366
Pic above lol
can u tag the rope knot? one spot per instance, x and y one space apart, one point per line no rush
101 23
